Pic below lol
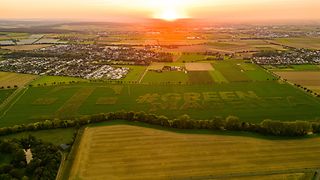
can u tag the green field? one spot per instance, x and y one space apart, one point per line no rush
192 57
239 71
251 101
55 136
4 94
200 77
135 73
174 77
231 71
218 77
55 80
303 42
131 152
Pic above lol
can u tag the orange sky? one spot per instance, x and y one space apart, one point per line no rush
216 10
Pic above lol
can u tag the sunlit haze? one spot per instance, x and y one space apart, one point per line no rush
216 10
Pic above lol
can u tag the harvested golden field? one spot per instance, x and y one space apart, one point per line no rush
12 79
199 67
314 88
131 152
304 78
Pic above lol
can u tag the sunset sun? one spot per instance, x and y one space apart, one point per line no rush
169 15
170 11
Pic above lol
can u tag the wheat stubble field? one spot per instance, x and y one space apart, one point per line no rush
131 152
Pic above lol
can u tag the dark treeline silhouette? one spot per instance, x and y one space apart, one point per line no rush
44 164
231 123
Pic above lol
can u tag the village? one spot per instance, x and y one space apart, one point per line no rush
54 66
295 56
85 61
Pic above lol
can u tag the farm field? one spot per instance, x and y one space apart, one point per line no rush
231 71
135 73
237 71
305 67
5 93
191 57
55 80
304 42
200 77
25 47
314 88
252 102
131 152
165 77
305 78
292 176
12 79
218 77
55 136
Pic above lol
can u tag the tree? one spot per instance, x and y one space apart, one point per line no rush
233 123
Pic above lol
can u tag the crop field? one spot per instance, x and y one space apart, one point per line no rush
12 79
131 152
239 71
252 102
55 80
191 57
199 67
4 94
165 77
156 66
218 77
304 67
305 78
135 73
314 88
311 43
231 71
25 47
200 77
292 176
188 49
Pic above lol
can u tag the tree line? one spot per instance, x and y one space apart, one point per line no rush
44 164
231 123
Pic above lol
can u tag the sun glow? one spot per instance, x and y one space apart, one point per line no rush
169 15
169 10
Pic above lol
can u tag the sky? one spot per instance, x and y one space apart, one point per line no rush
215 10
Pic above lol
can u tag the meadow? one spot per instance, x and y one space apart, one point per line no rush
132 152
251 101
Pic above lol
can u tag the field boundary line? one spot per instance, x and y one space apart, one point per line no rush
65 169
145 72
10 98
253 174
14 102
